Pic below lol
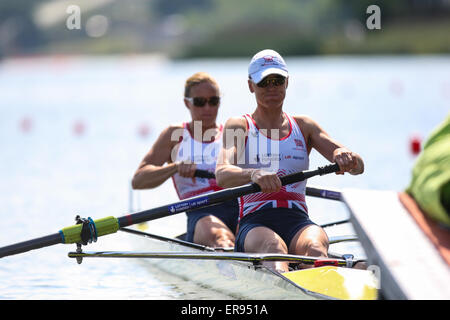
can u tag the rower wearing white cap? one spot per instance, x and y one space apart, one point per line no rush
274 144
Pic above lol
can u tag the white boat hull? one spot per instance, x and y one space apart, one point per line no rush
241 280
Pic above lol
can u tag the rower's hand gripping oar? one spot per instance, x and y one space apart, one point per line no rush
90 230
310 191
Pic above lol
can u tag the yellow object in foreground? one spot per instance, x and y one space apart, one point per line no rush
336 282
142 226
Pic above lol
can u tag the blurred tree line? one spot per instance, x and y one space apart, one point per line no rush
200 28
17 28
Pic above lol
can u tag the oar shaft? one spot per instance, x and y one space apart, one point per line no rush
110 225
188 204
31 245
67 235
207 200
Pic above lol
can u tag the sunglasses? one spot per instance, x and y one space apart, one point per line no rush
201 102
276 82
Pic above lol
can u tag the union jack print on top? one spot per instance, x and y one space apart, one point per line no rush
293 158
282 199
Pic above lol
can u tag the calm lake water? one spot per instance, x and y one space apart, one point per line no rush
74 129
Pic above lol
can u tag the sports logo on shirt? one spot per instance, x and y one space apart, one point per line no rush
298 143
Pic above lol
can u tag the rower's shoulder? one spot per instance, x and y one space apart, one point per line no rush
235 123
304 120
170 131
173 127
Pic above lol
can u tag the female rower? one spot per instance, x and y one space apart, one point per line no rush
180 150
274 144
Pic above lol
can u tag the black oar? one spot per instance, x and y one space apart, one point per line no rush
88 230
310 191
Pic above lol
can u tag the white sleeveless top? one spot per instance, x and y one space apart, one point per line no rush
283 156
204 154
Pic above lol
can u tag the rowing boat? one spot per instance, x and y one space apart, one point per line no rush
241 275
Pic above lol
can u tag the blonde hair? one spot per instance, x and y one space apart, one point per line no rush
196 79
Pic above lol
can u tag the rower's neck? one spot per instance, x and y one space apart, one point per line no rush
198 131
269 119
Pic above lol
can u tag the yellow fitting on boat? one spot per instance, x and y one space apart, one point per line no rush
339 283
103 226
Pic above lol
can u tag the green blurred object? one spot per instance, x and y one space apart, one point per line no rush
430 185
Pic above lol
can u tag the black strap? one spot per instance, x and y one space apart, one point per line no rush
88 230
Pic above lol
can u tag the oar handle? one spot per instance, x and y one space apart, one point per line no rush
288 179
292 178
303 175
204 174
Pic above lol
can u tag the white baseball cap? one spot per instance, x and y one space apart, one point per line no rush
266 62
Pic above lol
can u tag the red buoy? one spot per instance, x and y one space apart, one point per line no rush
26 124
415 145
79 128
144 130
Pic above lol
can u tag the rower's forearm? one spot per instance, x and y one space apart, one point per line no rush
229 176
151 176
